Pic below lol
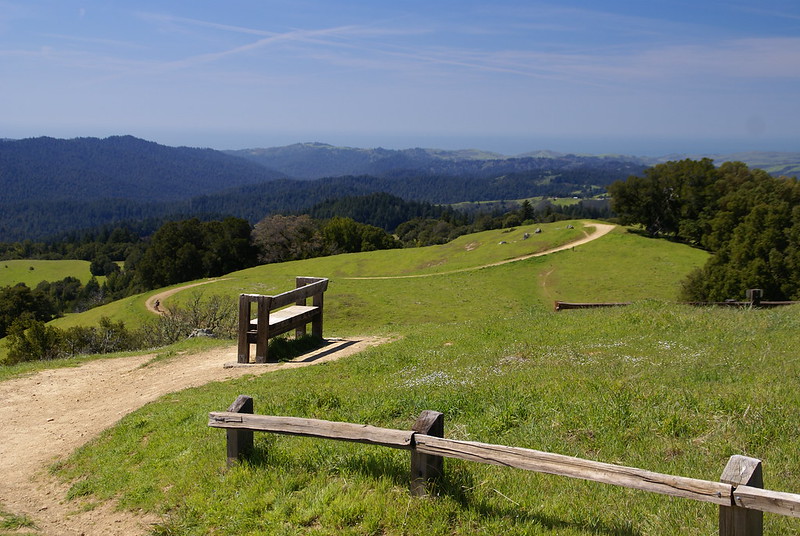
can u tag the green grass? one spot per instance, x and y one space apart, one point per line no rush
13 524
19 271
620 267
662 387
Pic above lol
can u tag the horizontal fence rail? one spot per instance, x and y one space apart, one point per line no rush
739 494
343 431
558 464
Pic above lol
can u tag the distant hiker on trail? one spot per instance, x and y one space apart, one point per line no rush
156 305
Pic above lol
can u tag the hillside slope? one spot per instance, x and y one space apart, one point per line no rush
120 167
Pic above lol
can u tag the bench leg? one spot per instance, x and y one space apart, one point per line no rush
240 442
262 333
243 354
316 324
316 327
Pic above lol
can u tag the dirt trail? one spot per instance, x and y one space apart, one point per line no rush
45 416
601 229
159 298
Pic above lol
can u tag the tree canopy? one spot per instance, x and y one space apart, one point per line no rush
747 218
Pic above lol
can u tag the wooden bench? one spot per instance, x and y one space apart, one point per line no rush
279 314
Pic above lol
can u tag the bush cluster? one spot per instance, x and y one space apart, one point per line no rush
30 339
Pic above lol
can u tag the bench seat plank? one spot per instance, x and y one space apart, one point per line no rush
290 313
284 320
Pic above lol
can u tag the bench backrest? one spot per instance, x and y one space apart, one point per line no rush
307 288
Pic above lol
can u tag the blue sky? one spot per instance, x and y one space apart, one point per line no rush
633 77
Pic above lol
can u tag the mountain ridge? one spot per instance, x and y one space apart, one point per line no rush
52 185
315 160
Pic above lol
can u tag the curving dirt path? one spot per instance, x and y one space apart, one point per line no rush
45 416
601 229
159 298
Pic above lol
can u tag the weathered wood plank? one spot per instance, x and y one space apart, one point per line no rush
302 293
776 502
243 350
559 305
557 464
262 329
342 431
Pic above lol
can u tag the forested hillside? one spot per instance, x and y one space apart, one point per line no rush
121 167
53 186
50 186
68 185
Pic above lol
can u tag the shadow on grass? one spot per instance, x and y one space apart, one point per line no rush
457 483
285 349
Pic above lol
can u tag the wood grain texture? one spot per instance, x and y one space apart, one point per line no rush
776 502
557 464
342 431
734 520
274 317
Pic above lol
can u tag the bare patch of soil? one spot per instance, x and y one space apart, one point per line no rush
47 415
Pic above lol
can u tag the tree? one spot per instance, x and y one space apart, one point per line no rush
526 212
746 217
20 301
103 265
31 340
189 249
345 235
668 194
283 238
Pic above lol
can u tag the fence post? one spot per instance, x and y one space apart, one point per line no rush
426 468
754 296
734 520
240 442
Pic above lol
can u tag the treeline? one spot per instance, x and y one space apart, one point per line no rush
41 218
747 218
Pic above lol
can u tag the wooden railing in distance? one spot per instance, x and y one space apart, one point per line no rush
738 494
560 306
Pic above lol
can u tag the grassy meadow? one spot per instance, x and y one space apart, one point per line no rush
33 272
656 385
371 292
664 387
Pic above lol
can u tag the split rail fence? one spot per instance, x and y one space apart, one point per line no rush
739 494
754 296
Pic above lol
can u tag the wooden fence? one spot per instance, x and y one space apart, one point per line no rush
754 299
739 494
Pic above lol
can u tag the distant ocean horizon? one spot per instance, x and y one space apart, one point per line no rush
508 145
